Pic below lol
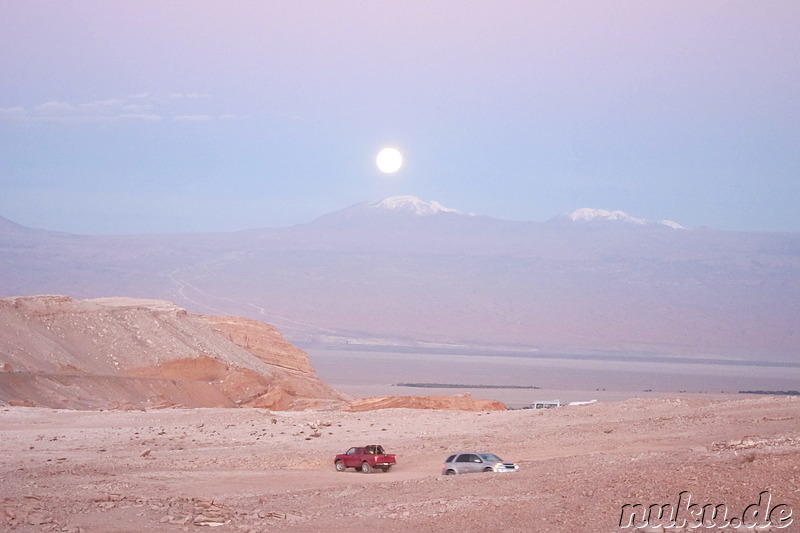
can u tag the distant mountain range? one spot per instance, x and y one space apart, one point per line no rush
403 271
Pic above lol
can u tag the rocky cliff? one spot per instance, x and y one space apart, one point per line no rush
131 353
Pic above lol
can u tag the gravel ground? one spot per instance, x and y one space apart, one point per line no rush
255 470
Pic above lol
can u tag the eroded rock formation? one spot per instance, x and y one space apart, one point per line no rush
132 353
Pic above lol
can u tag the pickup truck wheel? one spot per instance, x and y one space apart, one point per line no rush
385 468
340 466
366 468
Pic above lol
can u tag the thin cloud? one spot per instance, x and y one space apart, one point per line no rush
141 117
140 107
193 118
137 108
12 113
55 108
102 105
181 96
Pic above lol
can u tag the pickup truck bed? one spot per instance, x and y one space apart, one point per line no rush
365 458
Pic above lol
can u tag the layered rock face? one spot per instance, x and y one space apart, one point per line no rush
132 353
294 381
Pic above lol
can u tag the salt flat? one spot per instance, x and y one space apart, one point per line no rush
375 373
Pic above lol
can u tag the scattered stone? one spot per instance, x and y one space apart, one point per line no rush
213 521
38 517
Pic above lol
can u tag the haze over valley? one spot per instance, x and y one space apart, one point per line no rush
406 276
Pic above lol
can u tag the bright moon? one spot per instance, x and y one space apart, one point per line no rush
389 160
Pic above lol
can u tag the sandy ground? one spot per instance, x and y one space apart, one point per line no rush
255 470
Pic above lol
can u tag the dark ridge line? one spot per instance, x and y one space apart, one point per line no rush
463 386
774 392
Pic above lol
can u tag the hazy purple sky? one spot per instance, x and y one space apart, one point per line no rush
166 116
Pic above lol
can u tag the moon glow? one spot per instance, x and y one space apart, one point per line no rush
389 160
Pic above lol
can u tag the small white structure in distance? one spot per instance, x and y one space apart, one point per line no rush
545 404
582 403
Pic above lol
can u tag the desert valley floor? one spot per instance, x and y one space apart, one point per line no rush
527 379
251 469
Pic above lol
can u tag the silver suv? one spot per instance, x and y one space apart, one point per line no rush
465 463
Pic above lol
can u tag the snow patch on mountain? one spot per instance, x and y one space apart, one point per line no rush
413 205
671 224
587 214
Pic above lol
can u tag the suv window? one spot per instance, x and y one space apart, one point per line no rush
464 458
450 459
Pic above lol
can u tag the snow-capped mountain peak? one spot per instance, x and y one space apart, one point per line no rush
587 214
411 204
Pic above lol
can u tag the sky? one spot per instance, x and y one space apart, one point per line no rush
195 116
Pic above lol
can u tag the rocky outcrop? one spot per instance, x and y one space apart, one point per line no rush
294 381
132 353
460 402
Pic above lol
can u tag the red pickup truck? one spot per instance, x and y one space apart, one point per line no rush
366 459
